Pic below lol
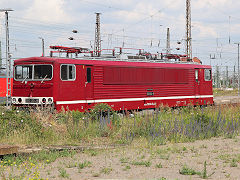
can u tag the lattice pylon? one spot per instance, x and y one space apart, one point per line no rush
188 31
97 43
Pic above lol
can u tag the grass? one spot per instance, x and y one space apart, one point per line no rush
42 128
222 92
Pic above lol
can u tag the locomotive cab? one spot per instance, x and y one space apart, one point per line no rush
51 81
33 83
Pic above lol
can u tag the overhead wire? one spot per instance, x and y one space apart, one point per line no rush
61 28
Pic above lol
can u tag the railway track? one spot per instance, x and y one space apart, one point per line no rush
11 149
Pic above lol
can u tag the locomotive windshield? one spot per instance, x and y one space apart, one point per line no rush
33 72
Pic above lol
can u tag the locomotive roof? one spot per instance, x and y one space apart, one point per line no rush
110 62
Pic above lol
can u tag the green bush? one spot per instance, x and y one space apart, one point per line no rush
101 109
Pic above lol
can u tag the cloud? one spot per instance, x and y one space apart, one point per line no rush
50 11
204 30
205 4
14 4
210 20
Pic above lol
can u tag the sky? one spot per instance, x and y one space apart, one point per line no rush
124 23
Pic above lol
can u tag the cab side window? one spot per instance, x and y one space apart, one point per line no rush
68 72
207 74
196 75
89 75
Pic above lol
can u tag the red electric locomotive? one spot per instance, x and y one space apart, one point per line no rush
79 84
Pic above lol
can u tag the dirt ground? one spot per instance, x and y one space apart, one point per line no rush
140 161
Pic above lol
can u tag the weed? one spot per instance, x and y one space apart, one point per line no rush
50 156
93 153
175 150
163 153
106 170
96 175
237 157
164 156
48 172
159 165
71 165
203 146
127 168
124 160
225 157
204 173
84 164
227 175
142 163
63 173
188 171
233 163
193 150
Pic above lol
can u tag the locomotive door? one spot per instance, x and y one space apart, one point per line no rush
88 82
197 85
197 82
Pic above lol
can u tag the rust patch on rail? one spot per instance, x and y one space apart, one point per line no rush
8 149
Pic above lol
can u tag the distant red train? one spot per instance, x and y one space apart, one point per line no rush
79 84
3 86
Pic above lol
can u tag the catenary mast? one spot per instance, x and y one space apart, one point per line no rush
188 31
97 43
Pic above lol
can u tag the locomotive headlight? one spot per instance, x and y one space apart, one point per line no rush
50 100
20 100
14 100
44 100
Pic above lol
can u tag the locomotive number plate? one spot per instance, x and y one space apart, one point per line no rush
32 100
